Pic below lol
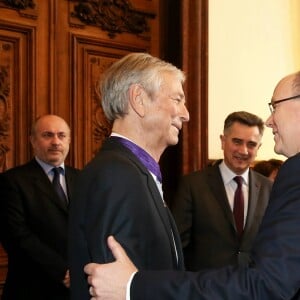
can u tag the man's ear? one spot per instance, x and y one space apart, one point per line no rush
136 99
222 139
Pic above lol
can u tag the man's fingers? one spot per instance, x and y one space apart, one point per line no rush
89 268
122 264
116 249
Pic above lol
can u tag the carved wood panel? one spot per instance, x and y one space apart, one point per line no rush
90 58
15 69
89 46
114 16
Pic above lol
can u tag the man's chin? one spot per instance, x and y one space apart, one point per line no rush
54 160
241 167
174 141
278 150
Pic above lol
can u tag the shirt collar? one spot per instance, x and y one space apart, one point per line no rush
228 175
48 168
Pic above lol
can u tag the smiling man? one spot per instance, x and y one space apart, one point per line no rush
120 190
205 209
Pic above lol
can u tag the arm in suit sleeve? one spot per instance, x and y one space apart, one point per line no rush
115 198
124 206
274 271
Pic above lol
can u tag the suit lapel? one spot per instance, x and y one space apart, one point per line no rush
179 261
166 219
70 181
44 186
254 187
216 184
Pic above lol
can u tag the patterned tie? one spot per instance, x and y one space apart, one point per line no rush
238 206
57 186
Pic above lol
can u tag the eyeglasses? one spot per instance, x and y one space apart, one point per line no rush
272 104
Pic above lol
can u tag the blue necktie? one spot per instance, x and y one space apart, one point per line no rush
57 186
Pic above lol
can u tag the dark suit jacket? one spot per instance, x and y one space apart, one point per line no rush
205 220
34 225
274 271
117 195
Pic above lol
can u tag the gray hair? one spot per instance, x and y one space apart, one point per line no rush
134 68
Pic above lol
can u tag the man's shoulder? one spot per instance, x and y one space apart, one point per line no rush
20 175
258 176
263 181
20 169
203 177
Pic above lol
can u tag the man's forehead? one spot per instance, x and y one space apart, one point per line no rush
244 132
284 88
51 125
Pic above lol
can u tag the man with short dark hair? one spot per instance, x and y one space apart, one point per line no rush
206 209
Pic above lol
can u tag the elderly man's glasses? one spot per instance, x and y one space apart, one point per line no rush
272 104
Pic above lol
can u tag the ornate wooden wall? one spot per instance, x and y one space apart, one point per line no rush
52 53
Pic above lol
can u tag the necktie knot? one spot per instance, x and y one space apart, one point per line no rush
56 184
57 171
238 180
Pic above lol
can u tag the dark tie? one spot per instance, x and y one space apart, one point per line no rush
238 205
57 186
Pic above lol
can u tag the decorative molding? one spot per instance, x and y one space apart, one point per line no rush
195 63
101 126
91 56
113 16
4 115
18 4
25 8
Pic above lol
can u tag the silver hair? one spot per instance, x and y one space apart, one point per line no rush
134 68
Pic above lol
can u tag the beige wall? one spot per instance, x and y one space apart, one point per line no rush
252 45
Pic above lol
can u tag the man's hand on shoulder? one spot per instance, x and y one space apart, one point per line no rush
109 281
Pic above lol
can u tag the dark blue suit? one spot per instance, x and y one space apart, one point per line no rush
34 225
275 269
118 196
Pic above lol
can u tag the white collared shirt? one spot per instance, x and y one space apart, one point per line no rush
230 186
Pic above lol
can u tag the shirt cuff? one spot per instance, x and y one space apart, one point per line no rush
129 285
